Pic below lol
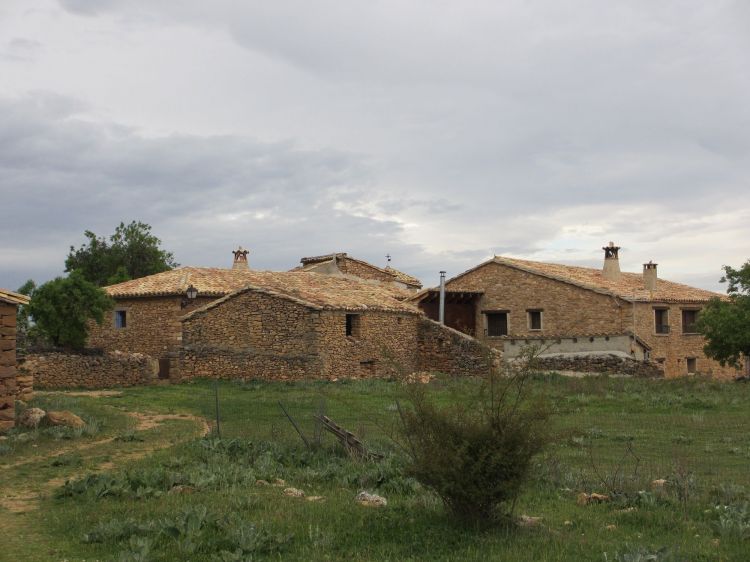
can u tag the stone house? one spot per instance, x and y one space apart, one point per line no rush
244 323
9 302
344 265
506 303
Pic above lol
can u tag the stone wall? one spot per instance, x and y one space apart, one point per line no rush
67 370
364 271
446 350
566 309
251 335
382 344
152 327
599 363
7 365
672 350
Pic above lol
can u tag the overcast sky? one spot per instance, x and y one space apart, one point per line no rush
439 132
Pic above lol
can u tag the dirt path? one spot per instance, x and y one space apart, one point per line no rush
25 499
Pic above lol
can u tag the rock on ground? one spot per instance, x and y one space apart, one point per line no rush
30 418
66 418
370 500
294 493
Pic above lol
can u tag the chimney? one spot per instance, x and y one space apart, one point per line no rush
240 259
611 268
649 276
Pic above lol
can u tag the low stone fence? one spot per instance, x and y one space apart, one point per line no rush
599 363
222 363
447 350
65 370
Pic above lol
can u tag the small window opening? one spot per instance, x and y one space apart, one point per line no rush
399 320
661 320
689 318
497 323
691 365
535 319
121 319
352 325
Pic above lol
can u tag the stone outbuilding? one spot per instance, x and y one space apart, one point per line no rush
342 264
245 323
9 302
507 303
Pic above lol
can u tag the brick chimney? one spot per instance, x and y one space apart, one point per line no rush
611 268
240 258
649 276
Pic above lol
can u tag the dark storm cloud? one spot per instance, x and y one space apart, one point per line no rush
61 175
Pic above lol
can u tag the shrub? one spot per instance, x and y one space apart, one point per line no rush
476 454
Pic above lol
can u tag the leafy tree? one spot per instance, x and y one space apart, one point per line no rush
62 308
23 325
131 252
726 323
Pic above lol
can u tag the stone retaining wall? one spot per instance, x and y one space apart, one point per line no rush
609 364
65 370
7 365
447 350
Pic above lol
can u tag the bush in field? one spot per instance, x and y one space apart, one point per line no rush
476 454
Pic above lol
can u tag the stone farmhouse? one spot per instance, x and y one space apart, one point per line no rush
344 265
9 302
243 323
507 303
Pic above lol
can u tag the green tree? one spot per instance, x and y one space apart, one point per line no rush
131 252
726 323
62 308
23 325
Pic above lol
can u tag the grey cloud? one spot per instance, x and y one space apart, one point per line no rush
61 176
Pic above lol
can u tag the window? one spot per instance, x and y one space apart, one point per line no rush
121 319
691 364
535 319
661 320
497 323
689 318
352 325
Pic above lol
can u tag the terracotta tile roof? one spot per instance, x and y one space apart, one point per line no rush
13 298
312 289
318 259
404 277
311 261
628 287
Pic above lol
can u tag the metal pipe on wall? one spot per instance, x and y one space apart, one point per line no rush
442 298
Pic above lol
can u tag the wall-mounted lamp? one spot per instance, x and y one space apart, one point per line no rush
190 295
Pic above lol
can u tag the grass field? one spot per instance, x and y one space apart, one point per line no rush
143 485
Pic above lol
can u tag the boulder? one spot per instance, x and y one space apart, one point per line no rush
31 418
66 418
294 493
370 500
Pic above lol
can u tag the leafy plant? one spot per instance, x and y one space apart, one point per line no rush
62 308
476 454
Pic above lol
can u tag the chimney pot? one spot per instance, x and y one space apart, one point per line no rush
240 259
649 276
611 269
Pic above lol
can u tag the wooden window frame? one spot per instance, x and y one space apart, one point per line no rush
529 312
487 314
116 314
696 310
662 329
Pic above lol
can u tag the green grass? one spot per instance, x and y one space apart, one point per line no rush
624 431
